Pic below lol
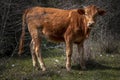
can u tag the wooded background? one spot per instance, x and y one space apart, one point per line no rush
105 36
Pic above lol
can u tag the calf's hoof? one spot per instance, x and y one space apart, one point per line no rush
68 68
43 69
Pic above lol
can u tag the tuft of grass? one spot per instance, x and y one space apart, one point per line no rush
104 67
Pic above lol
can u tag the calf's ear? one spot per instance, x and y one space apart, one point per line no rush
81 11
101 12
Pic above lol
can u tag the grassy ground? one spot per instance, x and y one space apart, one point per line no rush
104 67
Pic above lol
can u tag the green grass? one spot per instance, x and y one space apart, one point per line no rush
105 67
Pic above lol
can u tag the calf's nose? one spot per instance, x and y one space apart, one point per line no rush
90 23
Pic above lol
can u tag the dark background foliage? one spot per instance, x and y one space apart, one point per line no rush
105 35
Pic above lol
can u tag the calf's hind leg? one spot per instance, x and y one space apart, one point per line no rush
36 40
34 57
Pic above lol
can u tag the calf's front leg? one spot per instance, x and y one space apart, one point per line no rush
81 53
68 55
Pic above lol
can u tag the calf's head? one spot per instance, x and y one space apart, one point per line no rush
91 12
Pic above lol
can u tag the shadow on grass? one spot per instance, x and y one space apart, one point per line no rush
92 65
52 53
39 75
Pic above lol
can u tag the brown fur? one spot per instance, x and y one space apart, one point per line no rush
57 25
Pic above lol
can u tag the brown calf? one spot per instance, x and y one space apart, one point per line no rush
57 25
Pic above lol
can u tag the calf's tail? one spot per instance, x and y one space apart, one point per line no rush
21 45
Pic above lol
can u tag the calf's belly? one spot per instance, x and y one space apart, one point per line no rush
54 37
